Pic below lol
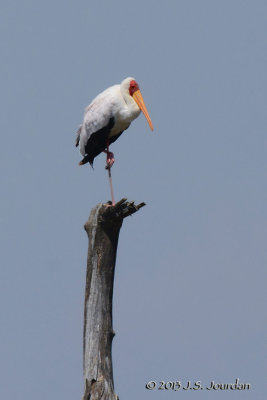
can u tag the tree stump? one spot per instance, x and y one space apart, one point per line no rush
103 228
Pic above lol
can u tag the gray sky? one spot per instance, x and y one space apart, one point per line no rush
189 300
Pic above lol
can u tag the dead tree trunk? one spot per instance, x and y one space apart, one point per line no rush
102 227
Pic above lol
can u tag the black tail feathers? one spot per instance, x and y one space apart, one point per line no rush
87 159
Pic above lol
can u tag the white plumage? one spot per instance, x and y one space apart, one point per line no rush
107 116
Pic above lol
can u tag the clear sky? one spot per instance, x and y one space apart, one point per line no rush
190 284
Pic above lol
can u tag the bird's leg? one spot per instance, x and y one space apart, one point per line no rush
110 157
111 186
110 162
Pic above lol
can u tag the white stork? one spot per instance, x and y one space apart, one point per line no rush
109 114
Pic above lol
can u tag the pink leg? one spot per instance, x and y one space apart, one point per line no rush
110 162
110 157
111 187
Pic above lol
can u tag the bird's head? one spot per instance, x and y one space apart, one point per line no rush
131 88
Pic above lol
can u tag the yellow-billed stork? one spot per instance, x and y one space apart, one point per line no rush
109 114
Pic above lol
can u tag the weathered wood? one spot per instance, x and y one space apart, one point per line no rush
103 228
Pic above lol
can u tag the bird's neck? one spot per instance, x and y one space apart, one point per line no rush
131 111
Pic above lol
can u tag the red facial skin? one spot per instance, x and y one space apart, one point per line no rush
133 87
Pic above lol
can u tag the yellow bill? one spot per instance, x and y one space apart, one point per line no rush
138 98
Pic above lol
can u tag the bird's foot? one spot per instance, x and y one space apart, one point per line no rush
110 160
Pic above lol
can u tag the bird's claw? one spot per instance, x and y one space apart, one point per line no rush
110 160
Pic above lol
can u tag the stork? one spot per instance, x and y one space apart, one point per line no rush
105 119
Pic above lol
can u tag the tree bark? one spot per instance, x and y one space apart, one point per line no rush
103 228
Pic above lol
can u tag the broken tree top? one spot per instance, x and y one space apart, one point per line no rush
121 209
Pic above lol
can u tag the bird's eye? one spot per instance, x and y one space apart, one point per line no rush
133 87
